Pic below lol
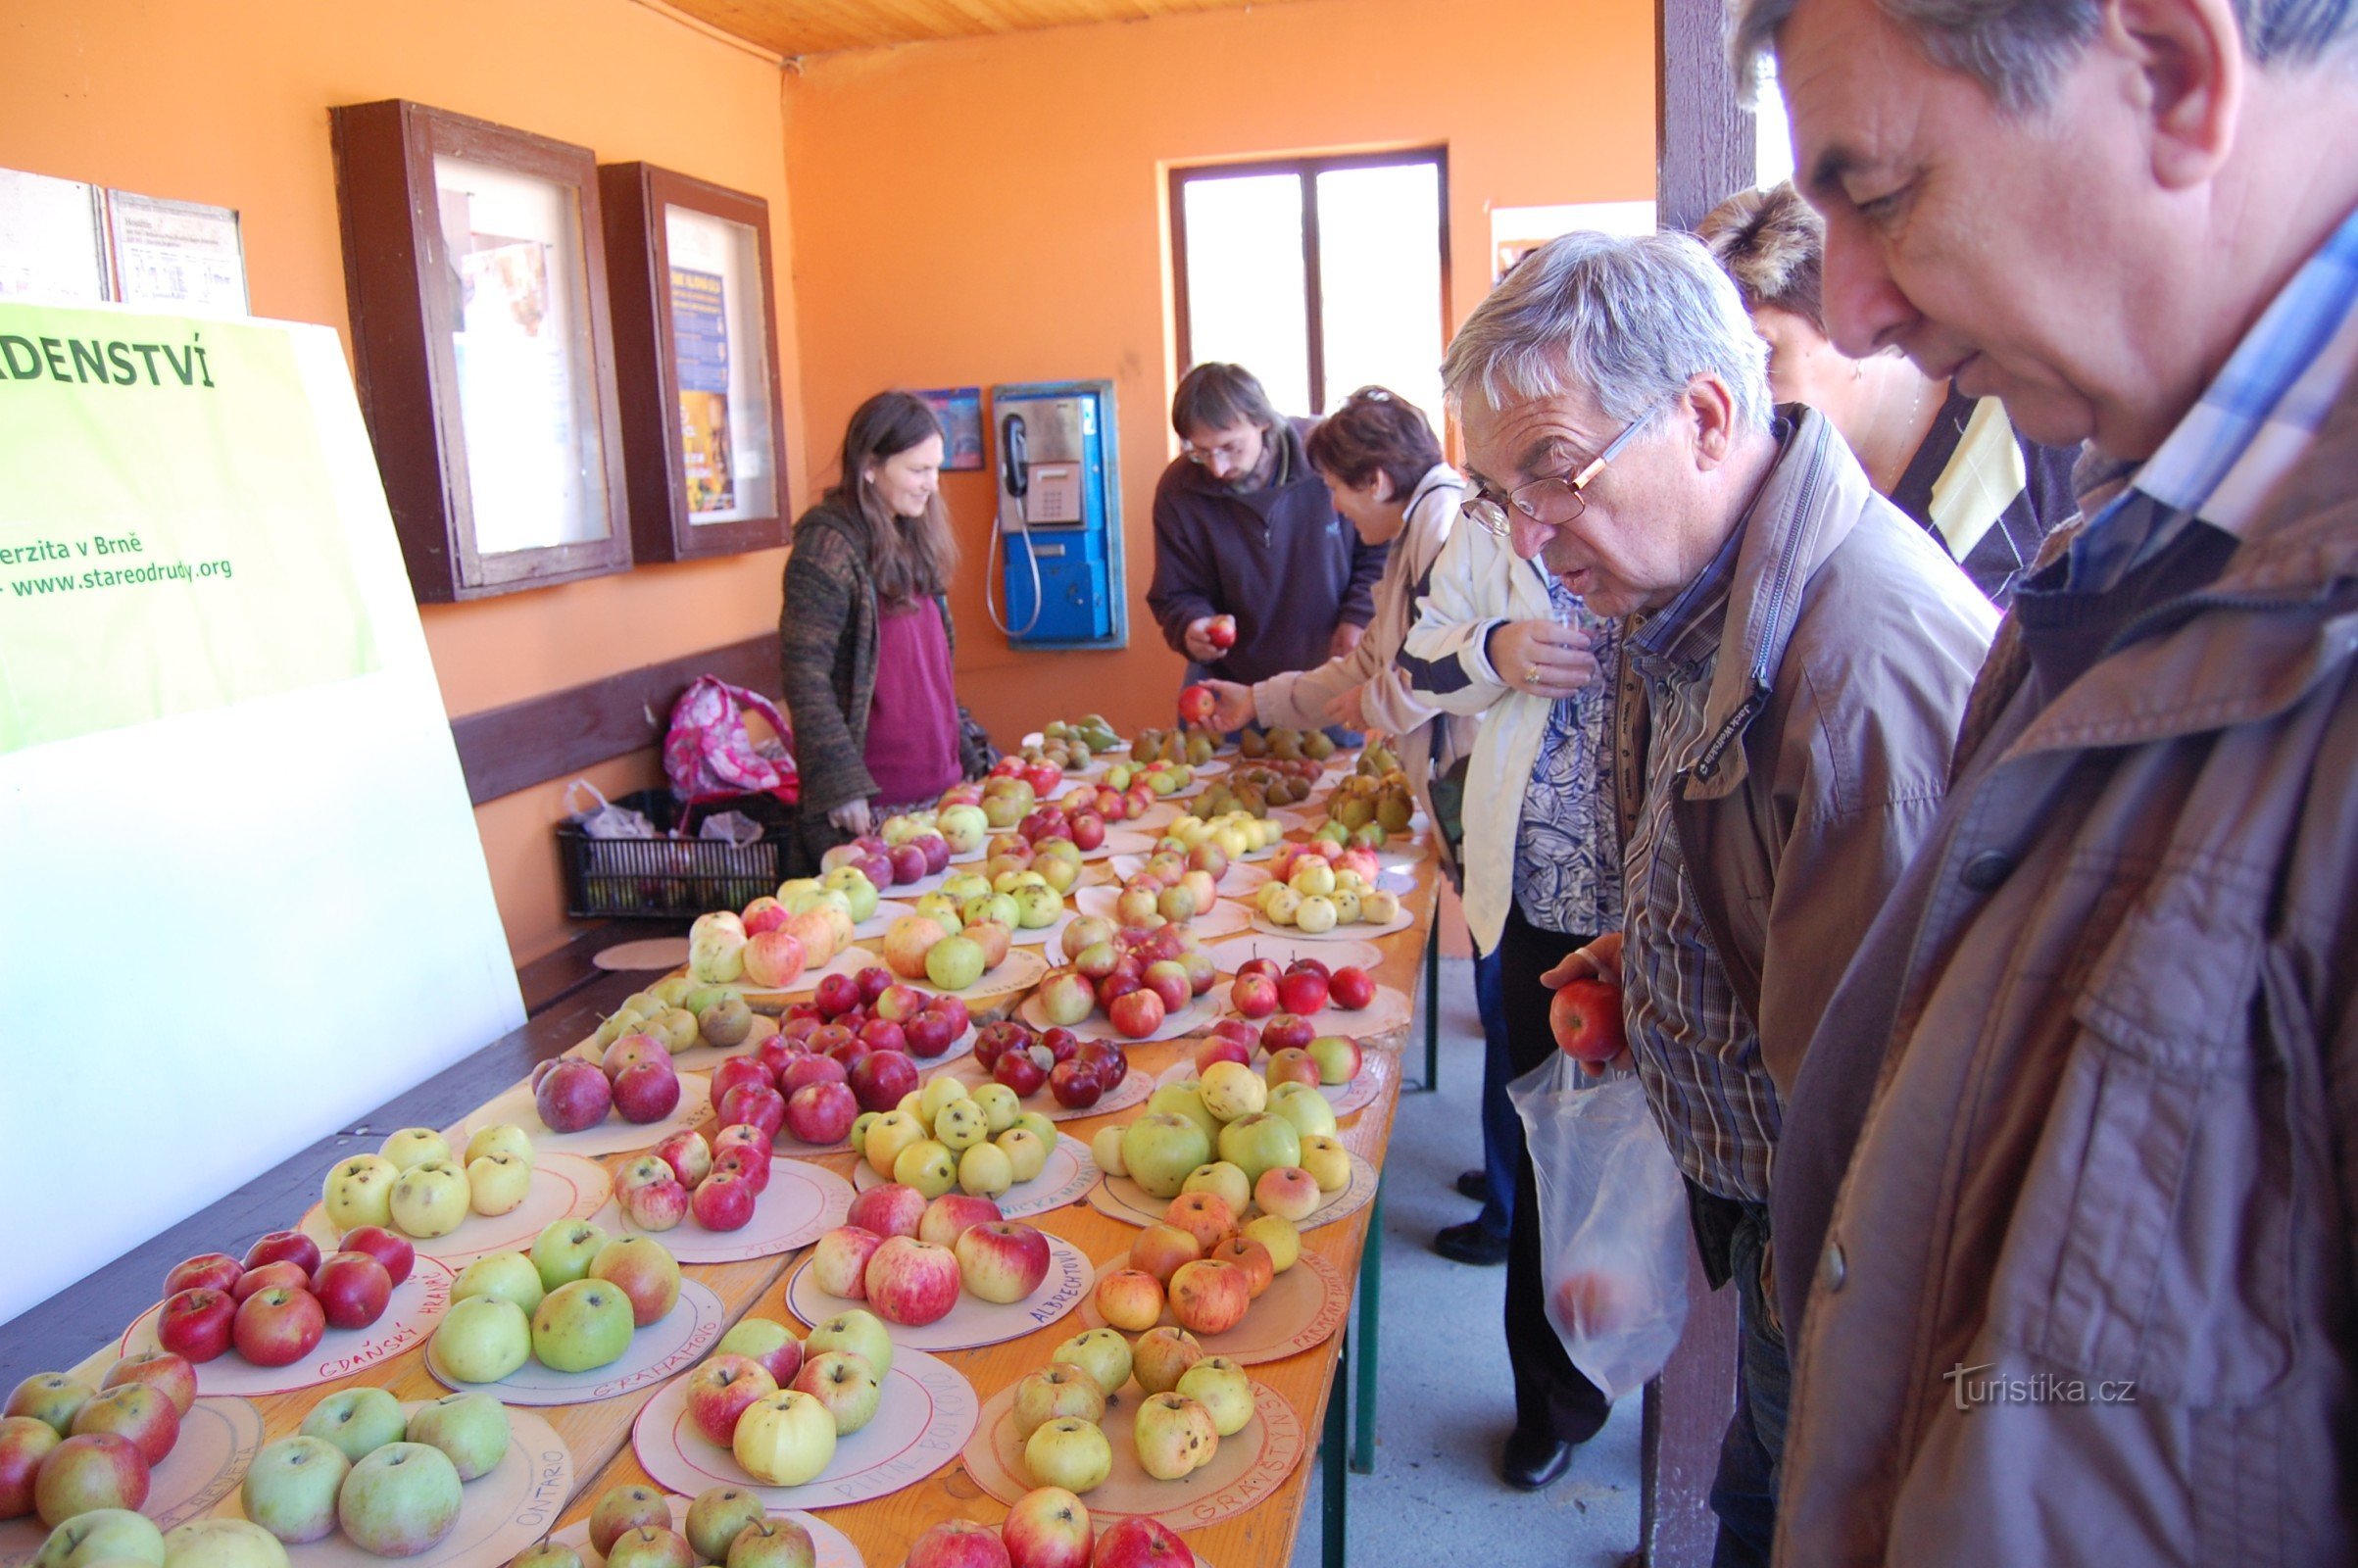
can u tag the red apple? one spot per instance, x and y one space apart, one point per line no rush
879 1080
196 1324
1060 1043
1584 1017
737 1071
573 1095
1317 966
133 1410
1049 1528
1140 1542
353 1288
765 1108
954 1009
957 1543
206 1271
911 1283
1217 1050
949 1216
1197 703
1287 1030
1268 968
285 1274
1137 1014
1238 1030
169 1374
775 1051
719 1389
96 1470
1302 990
1021 1070
1115 986
1351 989
1167 979
1087 830
387 1247
292 1246
899 1003
882 1033
1221 634
1254 996
821 1113
891 1209
1291 1065
874 981
724 1204
24 1442
1112 1062
837 994
278 1326
930 1034
1076 1085
846 1054
647 1092
688 1154
804 1071
751 1166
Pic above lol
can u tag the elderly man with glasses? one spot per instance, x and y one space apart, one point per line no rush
1793 659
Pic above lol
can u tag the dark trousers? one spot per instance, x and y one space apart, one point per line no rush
1551 1396
1501 1128
1744 1490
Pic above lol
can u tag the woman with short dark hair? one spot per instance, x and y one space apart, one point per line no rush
866 634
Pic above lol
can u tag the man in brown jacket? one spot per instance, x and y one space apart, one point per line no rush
2070 1176
1797 655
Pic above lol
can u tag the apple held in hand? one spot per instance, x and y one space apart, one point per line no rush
1222 634
1197 703
1585 1017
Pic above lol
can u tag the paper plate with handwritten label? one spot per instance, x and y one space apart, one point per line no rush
408 1321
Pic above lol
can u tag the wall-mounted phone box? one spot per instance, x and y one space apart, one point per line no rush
1059 514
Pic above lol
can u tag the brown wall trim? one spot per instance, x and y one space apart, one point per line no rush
502 749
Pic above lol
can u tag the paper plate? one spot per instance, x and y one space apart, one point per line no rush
1046 935
657 954
1131 1090
218 1439
1120 1197
1192 1018
703 1058
659 1351
834 1547
1334 952
1065 1178
973 1321
1239 881
886 912
1356 931
926 1416
1302 1309
1248 1466
801 1202
613 1135
416 1307
1365 1088
1389 1009
500 1513
849 961
564 1187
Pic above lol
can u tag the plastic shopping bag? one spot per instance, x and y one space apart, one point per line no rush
1613 1226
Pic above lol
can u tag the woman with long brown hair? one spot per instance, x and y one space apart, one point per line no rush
867 632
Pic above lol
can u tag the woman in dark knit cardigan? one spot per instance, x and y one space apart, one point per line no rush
867 632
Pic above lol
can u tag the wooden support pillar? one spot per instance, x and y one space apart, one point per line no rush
1702 136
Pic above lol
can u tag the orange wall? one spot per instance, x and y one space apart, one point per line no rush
228 103
993 210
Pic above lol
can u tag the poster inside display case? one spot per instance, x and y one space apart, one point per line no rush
477 286
697 342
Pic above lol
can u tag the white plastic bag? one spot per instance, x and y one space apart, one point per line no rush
605 820
1613 1225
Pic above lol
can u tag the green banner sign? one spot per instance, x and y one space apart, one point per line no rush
169 535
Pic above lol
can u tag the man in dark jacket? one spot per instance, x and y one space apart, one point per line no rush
1244 526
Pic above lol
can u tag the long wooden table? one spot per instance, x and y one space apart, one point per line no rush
1312 1382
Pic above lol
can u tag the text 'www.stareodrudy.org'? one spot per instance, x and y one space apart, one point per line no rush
46 551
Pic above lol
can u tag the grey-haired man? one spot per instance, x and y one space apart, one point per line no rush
1795 660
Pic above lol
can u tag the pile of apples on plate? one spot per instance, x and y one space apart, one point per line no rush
1281 1001
391 1481
682 1013
944 951
855 1047
413 1185
275 1308
68 1451
1236 832
1224 1133
633 1079
1172 887
632 1527
1138 976
910 1260
1075 1073
976 1139
1204 1261
1192 1402
1048 1527
571 1304
779 1403
1319 885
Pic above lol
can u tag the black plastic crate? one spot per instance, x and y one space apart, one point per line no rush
669 879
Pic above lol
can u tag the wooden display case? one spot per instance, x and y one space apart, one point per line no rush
475 270
696 340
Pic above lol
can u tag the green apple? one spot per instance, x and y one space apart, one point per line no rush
497 1183
1039 1126
510 1275
1068 1453
1186 1099
1037 908
961 1125
672 991
1103 1354
1174 1434
1107 1150
955 963
927 1165
1311 1111
1258 1143
650 1547
547 1554
940 907
718 1517
359 1191
481 1340
1220 1385
504 1138
1027 1155
222 1543
857 1331
470 1429
1327 1161
415 1145
621 1509
108 1534
1160 1150
565 1250
985 1171
430 1199
773 1544
401 1500
290 1489
1222 1179
1058 1388
581 1326
939 1093
357 1421
965 885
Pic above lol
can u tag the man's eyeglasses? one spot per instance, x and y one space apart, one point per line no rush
1555 501
1230 453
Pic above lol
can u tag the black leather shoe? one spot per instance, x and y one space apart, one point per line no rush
1470 1244
1474 1183
1529 1463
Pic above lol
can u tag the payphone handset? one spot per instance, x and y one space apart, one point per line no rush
1014 490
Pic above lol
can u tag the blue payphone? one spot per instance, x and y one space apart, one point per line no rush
1060 515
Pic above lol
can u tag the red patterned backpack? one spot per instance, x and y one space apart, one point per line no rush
710 755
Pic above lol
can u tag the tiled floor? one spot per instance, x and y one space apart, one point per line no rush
1443 1403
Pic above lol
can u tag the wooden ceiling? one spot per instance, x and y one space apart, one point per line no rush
815 26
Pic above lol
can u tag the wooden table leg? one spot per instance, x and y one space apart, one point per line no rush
1371 1302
